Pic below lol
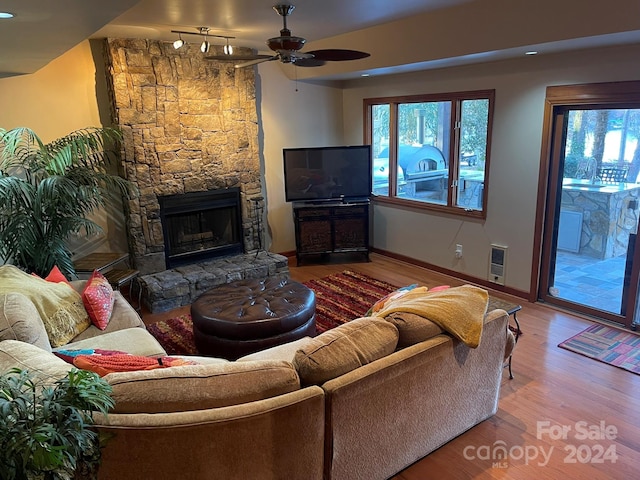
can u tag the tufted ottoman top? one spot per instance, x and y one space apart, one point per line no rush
253 309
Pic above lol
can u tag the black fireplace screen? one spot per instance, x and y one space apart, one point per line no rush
201 225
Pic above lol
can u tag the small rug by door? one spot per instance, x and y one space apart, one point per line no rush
610 345
339 298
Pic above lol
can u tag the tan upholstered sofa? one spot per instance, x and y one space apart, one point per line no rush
364 400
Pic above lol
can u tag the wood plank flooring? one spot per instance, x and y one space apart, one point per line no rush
553 390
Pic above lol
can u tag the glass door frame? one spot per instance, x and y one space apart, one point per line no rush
557 104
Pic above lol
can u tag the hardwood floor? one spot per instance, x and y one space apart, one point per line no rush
553 389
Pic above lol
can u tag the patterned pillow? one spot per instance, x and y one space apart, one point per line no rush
98 298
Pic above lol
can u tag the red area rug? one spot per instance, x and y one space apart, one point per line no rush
339 298
614 346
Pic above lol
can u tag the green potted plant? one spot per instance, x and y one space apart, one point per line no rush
45 431
47 191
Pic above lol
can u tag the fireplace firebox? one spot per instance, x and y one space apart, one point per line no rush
199 226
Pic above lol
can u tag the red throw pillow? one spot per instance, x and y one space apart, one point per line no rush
98 298
56 276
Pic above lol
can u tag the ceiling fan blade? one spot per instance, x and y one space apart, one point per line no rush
309 62
338 55
256 61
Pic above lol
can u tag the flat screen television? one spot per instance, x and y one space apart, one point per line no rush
318 174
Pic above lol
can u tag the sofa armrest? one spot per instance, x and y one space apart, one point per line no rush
278 437
443 386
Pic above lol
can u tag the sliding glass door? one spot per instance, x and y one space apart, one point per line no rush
592 212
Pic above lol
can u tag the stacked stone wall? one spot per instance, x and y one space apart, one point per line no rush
190 124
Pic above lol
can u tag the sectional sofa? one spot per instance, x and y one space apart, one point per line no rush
362 401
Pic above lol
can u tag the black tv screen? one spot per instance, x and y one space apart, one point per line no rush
327 173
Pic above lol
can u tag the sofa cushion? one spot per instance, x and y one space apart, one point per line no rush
123 316
285 352
44 366
412 328
98 298
136 341
196 387
19 320
345 348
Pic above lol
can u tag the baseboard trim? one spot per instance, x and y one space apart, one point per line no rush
451 273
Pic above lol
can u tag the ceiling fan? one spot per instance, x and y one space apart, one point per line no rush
287 49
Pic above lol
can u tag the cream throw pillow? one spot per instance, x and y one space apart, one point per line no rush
345 348
19 320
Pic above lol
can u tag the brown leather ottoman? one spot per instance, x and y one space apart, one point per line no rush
245 316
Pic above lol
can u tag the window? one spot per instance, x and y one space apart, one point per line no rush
431 151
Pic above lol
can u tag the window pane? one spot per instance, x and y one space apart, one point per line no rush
380 148
473 153
424 136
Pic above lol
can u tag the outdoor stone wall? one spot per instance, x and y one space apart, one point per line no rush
608 219
189 124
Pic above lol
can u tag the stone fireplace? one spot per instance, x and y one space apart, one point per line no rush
200 226
190 126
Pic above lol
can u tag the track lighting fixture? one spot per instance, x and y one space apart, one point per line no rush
228 49
205 46
178 43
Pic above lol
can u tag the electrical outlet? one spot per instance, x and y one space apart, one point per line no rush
458 251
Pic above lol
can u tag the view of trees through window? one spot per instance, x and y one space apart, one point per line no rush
431 149
602 145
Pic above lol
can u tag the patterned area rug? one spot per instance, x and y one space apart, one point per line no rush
339 298
610 345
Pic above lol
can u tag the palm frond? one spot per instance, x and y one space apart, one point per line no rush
48 190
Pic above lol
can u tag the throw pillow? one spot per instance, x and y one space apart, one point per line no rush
19 320
345 348
56 276
98 298
59 306
380 304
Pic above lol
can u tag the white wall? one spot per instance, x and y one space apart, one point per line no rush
293 114
515 156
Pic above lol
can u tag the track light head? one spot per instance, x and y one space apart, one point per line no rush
178 43
228 49
204 48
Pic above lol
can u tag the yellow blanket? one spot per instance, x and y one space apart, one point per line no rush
457 310
60 306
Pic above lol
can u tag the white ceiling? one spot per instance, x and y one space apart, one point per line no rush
401 35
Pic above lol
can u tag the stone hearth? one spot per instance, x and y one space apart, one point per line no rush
182 285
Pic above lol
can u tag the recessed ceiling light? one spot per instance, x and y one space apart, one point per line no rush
532 52
6 15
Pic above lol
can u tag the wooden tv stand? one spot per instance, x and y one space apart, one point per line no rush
331 227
